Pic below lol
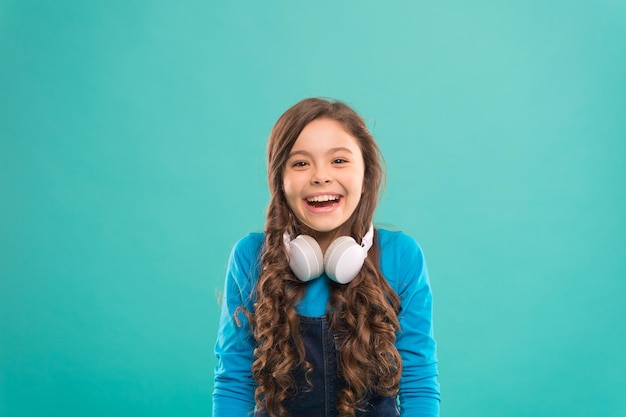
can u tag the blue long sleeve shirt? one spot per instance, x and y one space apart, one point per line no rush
402 264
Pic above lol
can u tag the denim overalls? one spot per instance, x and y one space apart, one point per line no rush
320 400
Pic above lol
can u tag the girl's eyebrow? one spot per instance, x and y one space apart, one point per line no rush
330 151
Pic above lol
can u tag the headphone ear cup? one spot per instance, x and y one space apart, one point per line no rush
305 258
344 259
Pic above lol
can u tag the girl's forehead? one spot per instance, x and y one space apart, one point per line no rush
324 135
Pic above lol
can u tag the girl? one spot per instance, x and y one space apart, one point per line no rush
323 315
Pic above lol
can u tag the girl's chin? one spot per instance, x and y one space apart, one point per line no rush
322 228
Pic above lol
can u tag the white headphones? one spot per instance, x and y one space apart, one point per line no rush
342 262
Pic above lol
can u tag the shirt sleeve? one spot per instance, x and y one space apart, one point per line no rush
233 392
419 389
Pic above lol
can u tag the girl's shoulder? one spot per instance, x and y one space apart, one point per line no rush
396 243
250 244
245 257
401 260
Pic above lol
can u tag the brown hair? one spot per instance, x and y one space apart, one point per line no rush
363 313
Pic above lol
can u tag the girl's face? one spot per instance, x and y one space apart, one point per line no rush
323 176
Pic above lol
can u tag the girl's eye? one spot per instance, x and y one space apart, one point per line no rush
339 161
298 164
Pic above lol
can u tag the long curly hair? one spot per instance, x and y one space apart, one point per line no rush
363 313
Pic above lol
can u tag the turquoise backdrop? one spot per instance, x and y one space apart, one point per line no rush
132 138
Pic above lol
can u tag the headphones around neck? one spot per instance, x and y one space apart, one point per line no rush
342 262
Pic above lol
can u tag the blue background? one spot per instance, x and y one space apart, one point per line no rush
132 140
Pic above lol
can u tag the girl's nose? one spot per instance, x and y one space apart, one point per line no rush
320 177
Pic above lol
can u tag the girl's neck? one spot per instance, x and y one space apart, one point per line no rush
324 239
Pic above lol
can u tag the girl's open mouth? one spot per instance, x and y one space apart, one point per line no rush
321 201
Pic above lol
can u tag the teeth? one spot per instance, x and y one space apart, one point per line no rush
325 197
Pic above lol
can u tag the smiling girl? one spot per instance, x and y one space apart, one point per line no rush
324 315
